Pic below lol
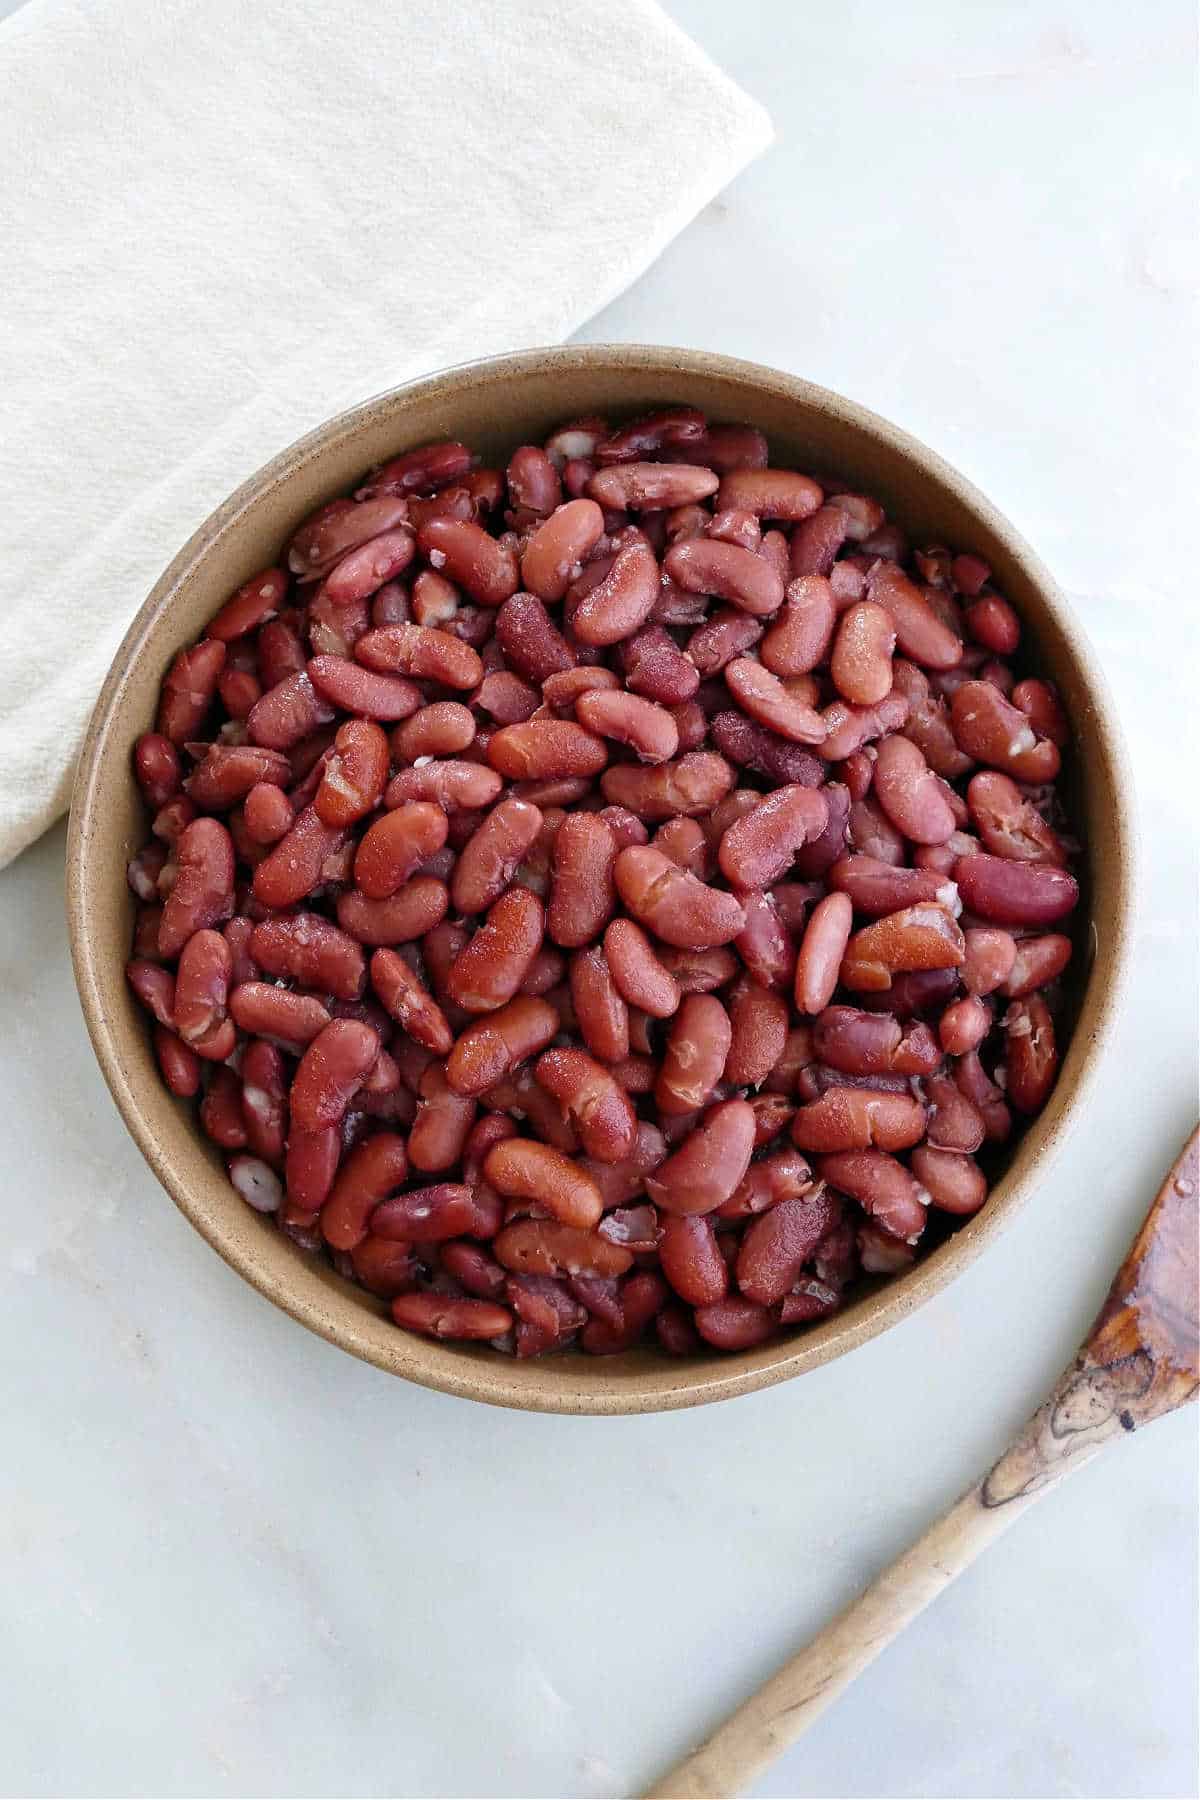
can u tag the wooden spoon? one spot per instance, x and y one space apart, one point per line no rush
1141 1359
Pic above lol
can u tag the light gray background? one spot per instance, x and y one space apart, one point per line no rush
237 1563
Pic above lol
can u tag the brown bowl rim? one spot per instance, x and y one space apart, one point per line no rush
661 1385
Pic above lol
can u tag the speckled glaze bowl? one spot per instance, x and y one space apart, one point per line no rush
492 406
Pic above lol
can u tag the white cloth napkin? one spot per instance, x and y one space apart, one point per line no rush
227 219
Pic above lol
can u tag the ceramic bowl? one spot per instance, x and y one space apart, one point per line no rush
493 405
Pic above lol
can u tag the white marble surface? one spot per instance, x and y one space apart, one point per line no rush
237 1563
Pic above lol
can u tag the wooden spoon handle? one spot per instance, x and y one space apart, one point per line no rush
1139 1361
774 1717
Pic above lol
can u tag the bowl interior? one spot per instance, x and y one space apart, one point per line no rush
493 406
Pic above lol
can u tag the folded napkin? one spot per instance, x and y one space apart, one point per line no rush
227 221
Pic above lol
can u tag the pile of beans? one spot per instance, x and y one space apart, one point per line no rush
611 897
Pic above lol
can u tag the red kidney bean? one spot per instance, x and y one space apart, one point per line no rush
454 786
863 1043
532 480
201 996
470 557
813 859
734 1323
300 862
395 847
855 1118
955 1184
691 1260
587 1093
672 904
562 688
261 1009
202 892
288 712
711 566
1009 824
690 786
549 1247
769 493
157 767
848 728
419 905
622 600
656 667
989 960
221 1109
546 749
649 435
267 814
308 949
1031 1056
777 1244
409 1002
705 1170
445 728
421 652
759 1019
964 1025
725 635
493 853
361 690
817 540
764 944
436 1315
279 651
861 661
698 971
189 689
991 730
917 938
638 974
758 848
1040 703
910 794
993 623
581 893
641 486
491 968
154 986
354 774
883 1187
602 1015
178 1063
874 887
384 1268
331 1070
920 634
264 1101
250 606
1038 962
694 1058
784 1176
821 953
508 699
443 1121
739 527
645 727
973 1080
521 1169
870 830
1006 892
492 1047
955 1123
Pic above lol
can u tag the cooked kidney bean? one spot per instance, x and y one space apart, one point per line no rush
661 866
492 1047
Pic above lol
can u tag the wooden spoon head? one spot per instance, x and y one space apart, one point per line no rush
1147 1334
